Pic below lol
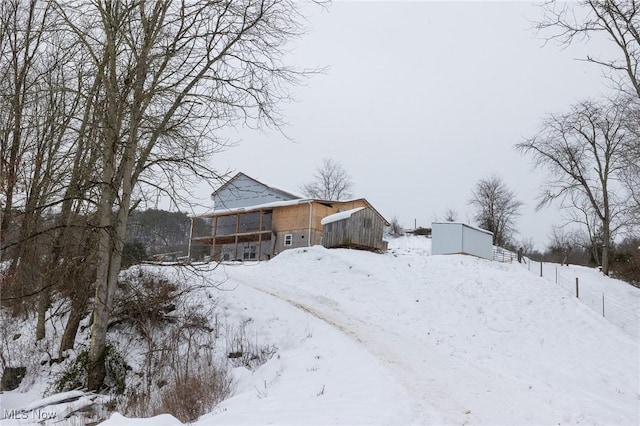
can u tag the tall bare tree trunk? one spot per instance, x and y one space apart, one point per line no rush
170 73
606 237
77 312
103 289
106 252
44 301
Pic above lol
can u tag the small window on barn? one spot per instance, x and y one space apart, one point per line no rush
288 239
367 222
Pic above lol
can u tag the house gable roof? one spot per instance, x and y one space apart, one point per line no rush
243 190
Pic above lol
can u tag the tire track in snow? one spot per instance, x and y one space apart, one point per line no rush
431 372
423 414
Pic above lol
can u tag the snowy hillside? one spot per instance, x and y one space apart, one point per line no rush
465 340
409 338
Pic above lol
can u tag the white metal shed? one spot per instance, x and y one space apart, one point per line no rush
460 238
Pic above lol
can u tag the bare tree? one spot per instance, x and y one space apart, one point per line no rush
581 152
395 229
331 182
528 246
21 33
619 20
496 208
102 100
563 241
630 156
33 117
451 215
164 77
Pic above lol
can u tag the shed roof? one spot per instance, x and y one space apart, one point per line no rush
264 206
465 225
339 216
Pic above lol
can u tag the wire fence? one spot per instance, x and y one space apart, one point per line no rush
591 293
503 255
615 307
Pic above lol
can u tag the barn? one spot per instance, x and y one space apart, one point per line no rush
360 228
460 238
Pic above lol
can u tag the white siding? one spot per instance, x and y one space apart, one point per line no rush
455 237
477 242
242 191
446 238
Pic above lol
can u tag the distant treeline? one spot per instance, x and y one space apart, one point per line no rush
155 233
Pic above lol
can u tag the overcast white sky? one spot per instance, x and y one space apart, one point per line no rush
419 102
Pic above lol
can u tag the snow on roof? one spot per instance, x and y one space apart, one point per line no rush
339 216
464 225
270 205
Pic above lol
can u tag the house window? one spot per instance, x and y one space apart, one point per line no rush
288 239
249 252
226 253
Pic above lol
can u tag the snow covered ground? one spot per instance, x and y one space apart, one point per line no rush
409 338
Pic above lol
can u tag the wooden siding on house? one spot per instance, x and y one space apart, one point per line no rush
305 226
293 220
363 229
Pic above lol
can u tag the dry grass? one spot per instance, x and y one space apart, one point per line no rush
192 395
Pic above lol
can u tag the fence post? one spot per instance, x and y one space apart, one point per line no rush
602 305
540 268
577 289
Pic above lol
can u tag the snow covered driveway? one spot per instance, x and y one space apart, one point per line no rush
470 341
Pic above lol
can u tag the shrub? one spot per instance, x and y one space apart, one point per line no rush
133 253
169 326
194 394
395 229
242 352
144 298
76 373
421 231
625 261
